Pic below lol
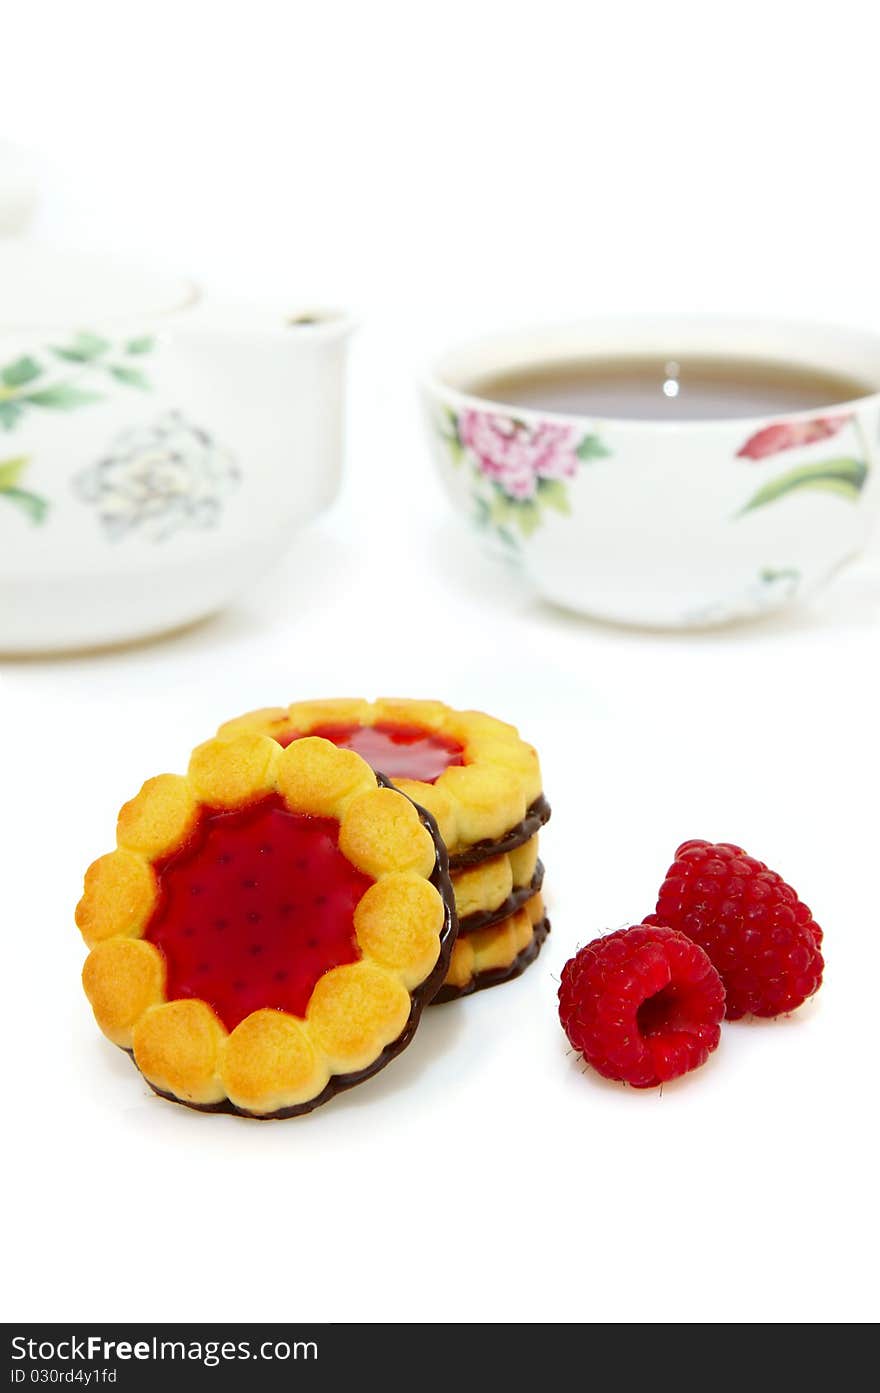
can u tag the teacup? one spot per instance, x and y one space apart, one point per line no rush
668 523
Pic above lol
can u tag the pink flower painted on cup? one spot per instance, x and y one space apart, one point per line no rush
786 435
515 455
519 469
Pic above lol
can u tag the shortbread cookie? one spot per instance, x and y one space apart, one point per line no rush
496 954
481 782
519 896
483 888
517 837
269 927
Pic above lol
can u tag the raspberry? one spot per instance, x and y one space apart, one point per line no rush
759 935
642 1005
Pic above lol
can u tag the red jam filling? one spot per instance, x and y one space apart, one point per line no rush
255 909
397 751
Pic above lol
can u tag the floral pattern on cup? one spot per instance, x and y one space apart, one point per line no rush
159 479
844 475
772 589
787 435
519 467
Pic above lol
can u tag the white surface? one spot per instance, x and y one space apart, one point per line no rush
443 173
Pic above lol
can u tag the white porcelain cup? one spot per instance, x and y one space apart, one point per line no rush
668 524
158 450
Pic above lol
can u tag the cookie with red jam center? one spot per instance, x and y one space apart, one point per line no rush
255 909
399 751
474 773
482 783
269 927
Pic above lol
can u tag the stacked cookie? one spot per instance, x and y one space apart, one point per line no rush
271 924
482 784
500 907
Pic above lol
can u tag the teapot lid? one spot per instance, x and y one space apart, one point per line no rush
42 287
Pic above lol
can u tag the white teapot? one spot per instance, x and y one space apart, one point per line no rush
157 450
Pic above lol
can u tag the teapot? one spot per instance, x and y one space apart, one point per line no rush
159 448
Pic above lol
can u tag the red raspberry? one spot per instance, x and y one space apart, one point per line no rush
759 935
642 1005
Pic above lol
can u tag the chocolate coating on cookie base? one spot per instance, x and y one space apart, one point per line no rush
486 918
421 997
522 832
497 975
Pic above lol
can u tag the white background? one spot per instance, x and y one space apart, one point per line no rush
443 169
